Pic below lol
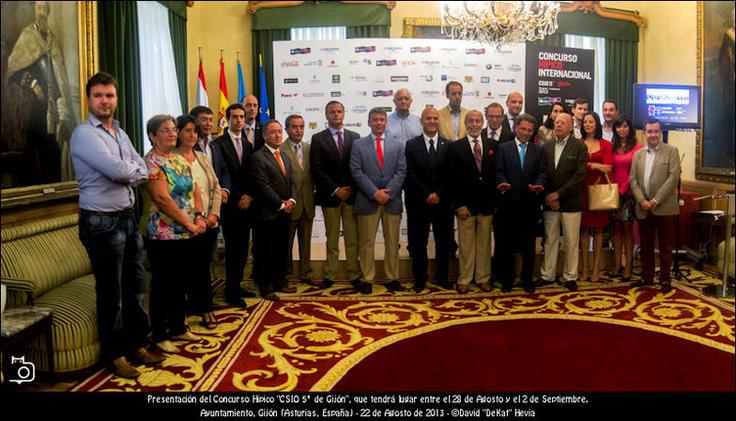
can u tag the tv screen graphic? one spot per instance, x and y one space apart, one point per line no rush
675 106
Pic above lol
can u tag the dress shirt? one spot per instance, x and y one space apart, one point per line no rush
608 134
559 147
403 128
518 150
576 129
512 121
494 136
298 151
236 139
427 138
649 165
333 132
455 121
472 145
273 152
107 167
248 129
206 148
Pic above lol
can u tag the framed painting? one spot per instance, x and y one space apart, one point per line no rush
48 53
715 143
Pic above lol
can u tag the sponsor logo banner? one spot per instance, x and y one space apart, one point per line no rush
295 51
399 78
421 49
475 51
365 49
383 93
292 63
335 78
291 80
385 62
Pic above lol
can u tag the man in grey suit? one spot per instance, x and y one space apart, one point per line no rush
303 215
566 158
654 175
274 200
378 168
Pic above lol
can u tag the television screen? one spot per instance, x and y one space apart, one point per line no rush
675 106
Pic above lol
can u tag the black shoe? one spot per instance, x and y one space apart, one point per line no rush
543 282
419 286
395 286
247 294
506 289
287 289
665 288
529 287
270 296
571 285
236 302
311 282
362 287
642 283
445 285
326 283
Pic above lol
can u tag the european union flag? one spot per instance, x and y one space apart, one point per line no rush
264 115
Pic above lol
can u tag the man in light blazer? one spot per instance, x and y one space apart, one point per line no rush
303 215
378 168
655 171
452 117
274 194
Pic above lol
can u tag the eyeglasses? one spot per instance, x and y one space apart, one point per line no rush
172 130
493 117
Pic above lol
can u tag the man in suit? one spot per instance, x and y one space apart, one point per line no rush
514 103
335 191
579 109
253 128
495 119
232 154
303 215
655 171
378 168
452 117
521 173
427 200
566 157
610 114
471 164
275 198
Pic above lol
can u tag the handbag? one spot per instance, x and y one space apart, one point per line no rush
603 197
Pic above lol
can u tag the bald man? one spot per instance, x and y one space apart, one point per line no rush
253 128
514 104
402 124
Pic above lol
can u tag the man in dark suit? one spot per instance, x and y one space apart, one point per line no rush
231 159
275 197
427 200
253 128
335 191
471 163
494 129
514 103
566 157
521 173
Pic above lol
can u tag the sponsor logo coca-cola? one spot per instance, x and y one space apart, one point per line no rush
292 63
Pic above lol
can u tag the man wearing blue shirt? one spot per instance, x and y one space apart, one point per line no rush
107 168
402 125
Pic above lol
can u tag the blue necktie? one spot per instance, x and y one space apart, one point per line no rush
522 153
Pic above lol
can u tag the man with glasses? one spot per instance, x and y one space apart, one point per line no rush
494 130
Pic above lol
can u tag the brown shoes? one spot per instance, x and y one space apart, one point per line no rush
463 289
143 356
485 286
122 368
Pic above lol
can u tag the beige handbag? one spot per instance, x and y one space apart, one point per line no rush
603 197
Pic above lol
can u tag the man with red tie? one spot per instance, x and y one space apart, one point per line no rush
378 167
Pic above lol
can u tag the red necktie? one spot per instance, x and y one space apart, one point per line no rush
379 152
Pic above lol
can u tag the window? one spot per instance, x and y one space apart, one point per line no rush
324 33
598 45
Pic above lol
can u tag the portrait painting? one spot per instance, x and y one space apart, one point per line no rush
41 93
715 159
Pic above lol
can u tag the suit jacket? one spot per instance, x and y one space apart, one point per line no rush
506 132
329 169
271 186
503 136
258 140
233 175
303 179
508 170
568 178
662 182
469 187
446 129
212 189
425 176
369 177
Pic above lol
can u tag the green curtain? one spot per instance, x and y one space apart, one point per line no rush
178 29
119 56
263 45
554 40
621 69
368 31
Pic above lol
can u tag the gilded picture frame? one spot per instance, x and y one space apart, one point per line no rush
79 59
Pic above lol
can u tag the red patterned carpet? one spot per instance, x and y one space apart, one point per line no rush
605 337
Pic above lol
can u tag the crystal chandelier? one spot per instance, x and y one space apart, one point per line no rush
499 22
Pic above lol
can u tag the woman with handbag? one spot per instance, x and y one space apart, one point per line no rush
624 146
600 160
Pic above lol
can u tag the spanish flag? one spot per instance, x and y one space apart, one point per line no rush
224 103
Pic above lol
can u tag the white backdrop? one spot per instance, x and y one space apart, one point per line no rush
365 73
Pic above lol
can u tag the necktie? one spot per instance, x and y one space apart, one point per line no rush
340 143
522 153
249 134
298 155
239 149
493 134
477 154
431 148
281 163
379 152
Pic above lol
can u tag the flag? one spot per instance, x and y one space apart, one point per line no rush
241 85
202 88
264 115
224 103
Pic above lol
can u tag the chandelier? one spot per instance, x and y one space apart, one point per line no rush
499 22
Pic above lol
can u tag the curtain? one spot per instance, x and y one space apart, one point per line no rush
554 40
178 29
368 31
621 68
159 86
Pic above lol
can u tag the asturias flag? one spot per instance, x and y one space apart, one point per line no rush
202 88
264 114
224 103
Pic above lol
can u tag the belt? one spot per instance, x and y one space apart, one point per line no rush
120 213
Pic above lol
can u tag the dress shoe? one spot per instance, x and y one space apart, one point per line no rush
362 286
311 282
485 286
142 356
122 368
571 285
395 286
270 296
541 282
444 285
247 294
187 336
419 286
326 283
642 283
167 346
209 321
665 288
506 289
529 288
463 289
236 302
287 289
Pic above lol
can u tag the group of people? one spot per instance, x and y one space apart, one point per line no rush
500 179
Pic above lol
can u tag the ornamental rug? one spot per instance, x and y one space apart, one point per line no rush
603 337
